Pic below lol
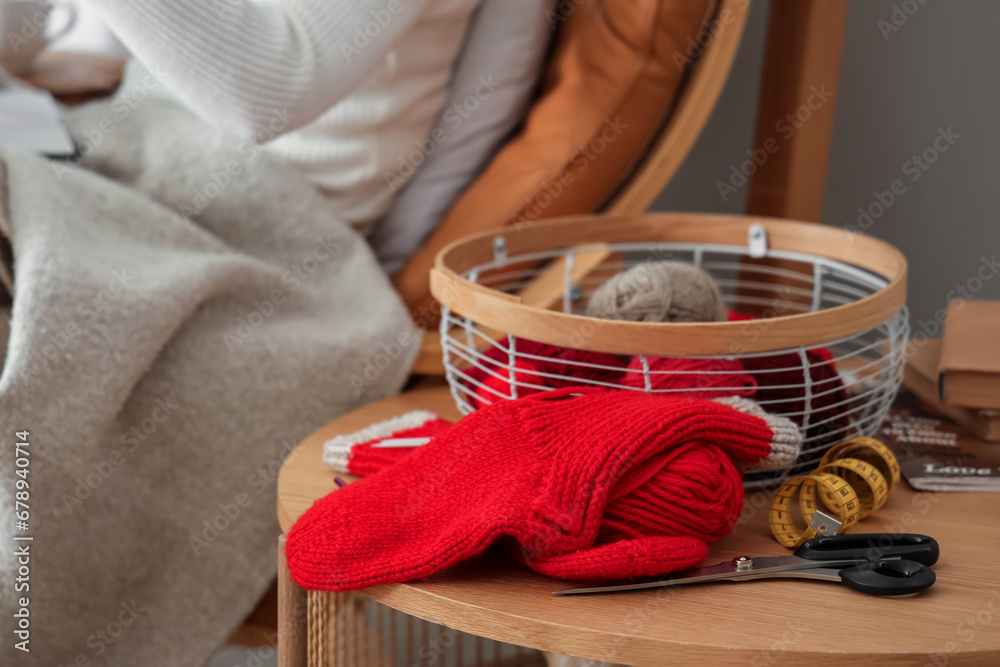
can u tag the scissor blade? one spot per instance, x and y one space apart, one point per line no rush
777 563
724 570
727 570
820 573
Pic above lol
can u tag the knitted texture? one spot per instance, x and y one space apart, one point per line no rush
589 484
357 453
698 490
254 68
698 378
777 381
780 380
659 292
497 385
545 365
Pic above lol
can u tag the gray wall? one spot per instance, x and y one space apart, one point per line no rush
898 88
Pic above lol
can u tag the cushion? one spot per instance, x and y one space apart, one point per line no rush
495 78
608 89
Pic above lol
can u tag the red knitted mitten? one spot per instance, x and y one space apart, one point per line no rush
655 523
543 470
358 454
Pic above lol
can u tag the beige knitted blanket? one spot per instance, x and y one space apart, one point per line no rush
185 310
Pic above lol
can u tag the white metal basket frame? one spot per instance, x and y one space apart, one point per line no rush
870 362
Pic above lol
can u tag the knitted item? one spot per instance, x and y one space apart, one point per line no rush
496 388
656 519
780 379
699 488
716 376
586 482
356 453
781 392
828 402
549 366
691 472
659 292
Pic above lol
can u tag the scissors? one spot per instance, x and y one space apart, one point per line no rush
873 563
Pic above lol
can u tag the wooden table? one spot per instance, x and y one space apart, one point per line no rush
761 624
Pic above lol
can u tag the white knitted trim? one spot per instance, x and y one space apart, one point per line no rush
786 439
337 451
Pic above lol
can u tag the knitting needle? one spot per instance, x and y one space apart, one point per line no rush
402 442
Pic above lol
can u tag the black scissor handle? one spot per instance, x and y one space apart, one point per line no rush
871 547
888 577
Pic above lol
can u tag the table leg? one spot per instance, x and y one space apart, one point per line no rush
341 630
292 631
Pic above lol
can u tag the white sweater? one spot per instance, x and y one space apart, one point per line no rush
352 86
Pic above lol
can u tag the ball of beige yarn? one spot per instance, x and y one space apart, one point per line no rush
659 292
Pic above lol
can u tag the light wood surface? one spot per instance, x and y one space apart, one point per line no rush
956 623
291 614
804 42
547 287
544 291
428 361
505 312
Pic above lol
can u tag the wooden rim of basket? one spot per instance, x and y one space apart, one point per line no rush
493 309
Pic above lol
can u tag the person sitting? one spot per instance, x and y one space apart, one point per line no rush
340 89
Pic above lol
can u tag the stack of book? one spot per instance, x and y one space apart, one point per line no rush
946 427
937 455
959 375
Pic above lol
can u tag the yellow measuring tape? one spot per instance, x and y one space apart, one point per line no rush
853 480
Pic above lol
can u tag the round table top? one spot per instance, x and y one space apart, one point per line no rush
760 623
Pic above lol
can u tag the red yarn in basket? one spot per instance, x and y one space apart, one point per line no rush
554 360
587 484
497 388
715 376
780 390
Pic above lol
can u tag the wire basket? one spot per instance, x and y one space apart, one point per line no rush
825 347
